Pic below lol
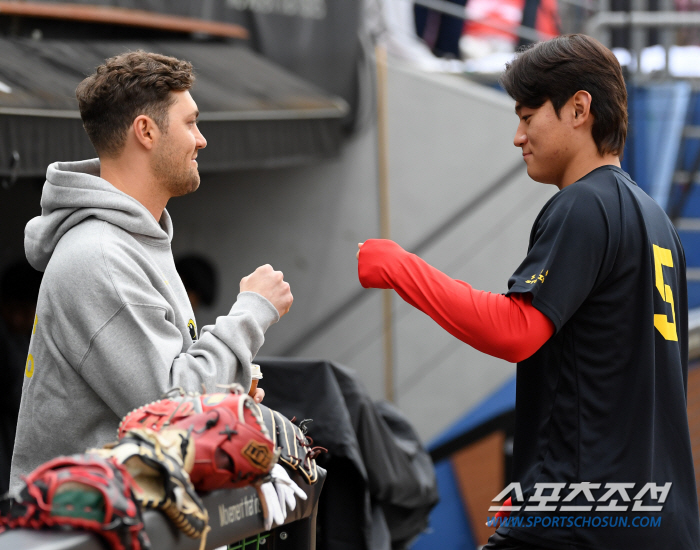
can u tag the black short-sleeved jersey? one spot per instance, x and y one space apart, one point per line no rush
604 400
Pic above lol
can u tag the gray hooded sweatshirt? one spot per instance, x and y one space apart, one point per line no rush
111 331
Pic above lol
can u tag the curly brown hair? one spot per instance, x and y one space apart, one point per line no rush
126 86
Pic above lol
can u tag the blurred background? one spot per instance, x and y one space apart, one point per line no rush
333 121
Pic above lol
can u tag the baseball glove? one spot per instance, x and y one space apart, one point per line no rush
175 405
217 450
81 491
232 444
295 447
158 462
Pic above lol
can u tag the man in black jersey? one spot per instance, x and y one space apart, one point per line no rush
596 317
601 406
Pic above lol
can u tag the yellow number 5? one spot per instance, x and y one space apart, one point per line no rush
662 256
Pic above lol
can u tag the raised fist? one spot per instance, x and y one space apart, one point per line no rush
271 285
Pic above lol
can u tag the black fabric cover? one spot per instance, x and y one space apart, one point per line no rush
381 482
253 113
13 354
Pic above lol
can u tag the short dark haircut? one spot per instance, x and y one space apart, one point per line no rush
558 68
126 86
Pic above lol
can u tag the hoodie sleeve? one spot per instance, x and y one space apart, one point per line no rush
136 356
120 321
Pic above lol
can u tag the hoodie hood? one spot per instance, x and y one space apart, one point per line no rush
73 192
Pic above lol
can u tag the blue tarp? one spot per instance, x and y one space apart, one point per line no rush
500 401
449 525
657 115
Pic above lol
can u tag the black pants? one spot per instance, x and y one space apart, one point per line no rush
499 542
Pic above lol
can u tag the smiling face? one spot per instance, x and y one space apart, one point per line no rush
173 160
547 141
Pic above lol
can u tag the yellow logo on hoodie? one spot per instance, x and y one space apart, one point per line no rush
29 368
193 329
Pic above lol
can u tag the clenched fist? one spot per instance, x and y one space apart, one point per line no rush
271 285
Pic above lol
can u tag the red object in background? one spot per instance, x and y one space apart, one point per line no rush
505 513
508 14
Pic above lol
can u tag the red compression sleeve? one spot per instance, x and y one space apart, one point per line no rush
508 327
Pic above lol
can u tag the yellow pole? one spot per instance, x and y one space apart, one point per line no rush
384 220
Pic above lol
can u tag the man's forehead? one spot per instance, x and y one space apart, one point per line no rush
184 103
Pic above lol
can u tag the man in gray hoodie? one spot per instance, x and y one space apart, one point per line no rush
114 328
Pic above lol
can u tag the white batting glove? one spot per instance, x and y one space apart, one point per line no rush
272 511
286 489
277 496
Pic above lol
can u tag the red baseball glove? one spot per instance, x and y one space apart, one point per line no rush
80 491
232 444
233 447
175 405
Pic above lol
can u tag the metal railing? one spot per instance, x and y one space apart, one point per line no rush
599 22
639 22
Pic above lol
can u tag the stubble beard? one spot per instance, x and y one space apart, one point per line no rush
172 176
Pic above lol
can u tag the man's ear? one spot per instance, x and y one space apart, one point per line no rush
581 102
145 130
